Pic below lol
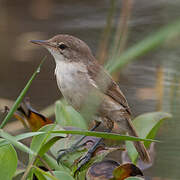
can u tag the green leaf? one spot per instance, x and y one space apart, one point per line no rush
18 172
53 163
60 175
57 175
27 135
39 171
65 143
17 144
67 116
39 142
134 178
43 142
21 96
8 162
147 126
112 136
38 174
20 137
47 145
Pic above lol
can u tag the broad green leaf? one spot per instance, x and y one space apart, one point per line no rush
66 143
21 96
43 142
134 178
147 126
67 116
53 163
57 175
39 142
112 136
8 162
60 175
47 145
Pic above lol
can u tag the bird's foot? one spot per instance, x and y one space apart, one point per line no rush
77 145
85 160
72 149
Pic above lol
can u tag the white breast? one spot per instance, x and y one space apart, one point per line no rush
69 74
73 81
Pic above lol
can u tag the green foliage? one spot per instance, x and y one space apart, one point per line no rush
46 139
67 116
39 141
147 126
12 140
61 175
8 162
65 143
134 178
39 174
105 135
43 142
20 137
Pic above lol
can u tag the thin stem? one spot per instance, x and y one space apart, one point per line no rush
30 165
46 165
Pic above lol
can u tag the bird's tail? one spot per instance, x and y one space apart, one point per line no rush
139 145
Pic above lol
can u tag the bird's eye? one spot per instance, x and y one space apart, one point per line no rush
62 46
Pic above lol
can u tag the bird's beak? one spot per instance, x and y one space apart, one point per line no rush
40 42
45 43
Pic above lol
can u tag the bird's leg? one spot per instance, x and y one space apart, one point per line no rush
85 159
76 145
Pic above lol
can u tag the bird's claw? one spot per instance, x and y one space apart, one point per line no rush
82 162
72 149
64 152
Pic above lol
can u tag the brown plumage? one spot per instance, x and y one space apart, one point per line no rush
113 91
86 84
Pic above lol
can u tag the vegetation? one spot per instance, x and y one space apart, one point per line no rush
52 137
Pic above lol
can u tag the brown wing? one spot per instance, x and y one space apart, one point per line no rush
106 84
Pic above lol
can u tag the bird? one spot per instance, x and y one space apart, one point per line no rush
89 89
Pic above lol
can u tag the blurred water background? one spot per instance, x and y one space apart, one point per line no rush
150 84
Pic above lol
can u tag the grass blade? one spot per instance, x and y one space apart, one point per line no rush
17 144
20 137
106 135
21 96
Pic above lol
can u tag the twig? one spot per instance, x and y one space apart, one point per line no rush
46 165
